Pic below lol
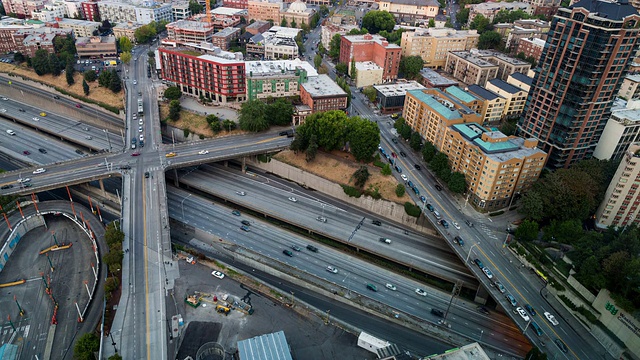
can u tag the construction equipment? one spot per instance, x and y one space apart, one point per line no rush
223 309
192 301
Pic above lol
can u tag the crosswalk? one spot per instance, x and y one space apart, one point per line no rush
9 336
490 234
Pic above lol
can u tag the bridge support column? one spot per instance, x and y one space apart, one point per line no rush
244 164
102 187
176 181
481 295
225 163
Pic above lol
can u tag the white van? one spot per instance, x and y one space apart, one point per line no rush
11 132
437 214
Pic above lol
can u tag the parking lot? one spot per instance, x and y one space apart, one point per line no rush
98 65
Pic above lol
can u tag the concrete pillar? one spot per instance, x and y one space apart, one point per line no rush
176 182
244 164
482 295
102 187
226 163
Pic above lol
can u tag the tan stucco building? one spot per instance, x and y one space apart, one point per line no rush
433 44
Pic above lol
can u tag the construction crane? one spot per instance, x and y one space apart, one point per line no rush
208 7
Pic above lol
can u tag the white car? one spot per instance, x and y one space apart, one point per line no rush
217 274
141 137
3 110
455 225
241 193
487 272
331 269
140 129
293 199
203 152
135 82
551 318
39 171
140 122
35 118
390 286
5 99
404 177
421 292
522 313
26 180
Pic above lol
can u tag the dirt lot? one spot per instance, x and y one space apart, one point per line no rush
338 167
96 93
194 122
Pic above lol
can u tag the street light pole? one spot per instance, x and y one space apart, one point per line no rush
471 249
106 132
182 205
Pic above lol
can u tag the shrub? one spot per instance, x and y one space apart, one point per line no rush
568 302
411 209
351 191
386 170
400 190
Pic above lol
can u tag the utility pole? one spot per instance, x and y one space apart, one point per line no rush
455 292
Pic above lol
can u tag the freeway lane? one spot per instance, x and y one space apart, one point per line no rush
353 273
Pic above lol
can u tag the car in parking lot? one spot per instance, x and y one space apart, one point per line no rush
500 287
479 263
530 309
437 312
287 252
372 287
376 222
217 274
487 272
245 228
523 314
332 270
312 248
245 222
511 299
551 318
421 292
561 345
390 286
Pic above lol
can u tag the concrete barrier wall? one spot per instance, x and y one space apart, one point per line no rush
27 224
581 289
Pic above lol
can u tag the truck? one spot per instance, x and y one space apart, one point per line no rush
140 106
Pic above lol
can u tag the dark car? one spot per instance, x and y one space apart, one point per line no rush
438 187
457 240
395 141
26 152
483 310
21 109
479 263
56 97
469 223
530 310
430 207
125 167
444 223
402 153
437 312
245 222
561 345
376 222
79 152
146 175
417 166
245 228
372 287
44 151
312 248
78 106
8 186
288 253
296 247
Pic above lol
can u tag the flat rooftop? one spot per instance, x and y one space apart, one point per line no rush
500 151
367 66
526 79
468 352
226 31
442 103
436 79
368 38
503 85
275 67
474 59
228 11
399 89
483 93
323 86
190 25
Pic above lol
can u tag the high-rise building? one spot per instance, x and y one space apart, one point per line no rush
586 57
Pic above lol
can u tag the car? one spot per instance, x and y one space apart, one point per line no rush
43 114
376 222
437 312
43 151
385 240
469 223
79 152
410 183
312 248
141 138
438 187
4 98
456 240
135 82
217 274
322 219
245 228
430 207
536 328
140 122
27 185
500 287
203 152
332 270
21 109
296 248
58 97
288 253
125 167
551 318
79 106
3 110
404 177
483 310
394 140
398 169
8 186
479 263
523 314
561 345
511 299
236 212
421 292
530 309
444 223
487 272
372 287
146 175
25 180
171 154
403 154
455 225
416 191
245 222
140 129
390 286
39 171
27 152
423 199
35 118
241 193
417 167
293 199
437 214
135 154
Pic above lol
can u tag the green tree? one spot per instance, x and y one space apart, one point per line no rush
386 170
590 274
356 31
432 23
324 10
125 44
527 231
195 7
125 57
428 151
312 149
65 46
480 23
410 66
457 183
215 126
86 346
90 76
415 141
284 23
69 74
40 62
440 162
113 259
317 61
104 79
532 206
490 40
228 125
145 33
341 68
172 93
370 93
252 116
334 46
375 21
399 123
363 137
85 87
18 57
405 131
354 72
361 176
280 112
400 190
506 16
115 84
55 65
115 357
463 15
174 110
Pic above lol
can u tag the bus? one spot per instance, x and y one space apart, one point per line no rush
140 107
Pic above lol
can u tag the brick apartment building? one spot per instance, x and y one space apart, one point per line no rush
90 10
375 48
321 93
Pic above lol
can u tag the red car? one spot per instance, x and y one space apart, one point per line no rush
135 154
78 106
26 152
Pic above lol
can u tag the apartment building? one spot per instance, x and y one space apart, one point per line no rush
180 10
410 10
621 202
520 80
433 44
50 12
516 97
8 27
96 47
144 13
531 47
126 29
630 89
374 48
329 30
490 9
544 7
189 31
621 131
90 10
22 8
493 105
321 93
81 28
236 4
224 37
433 79
390 97
258 27
215 74
265 10
470 69
28 41
279 78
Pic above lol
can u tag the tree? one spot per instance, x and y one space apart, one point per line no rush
356 31
125 44
440 162
85 87
195 7
90 76
370 93
457 183
65 47
40 62
405 131
480 23
115 357
489 40
125 57
363 137
172 93
86 346
145 33
415 141
400 190
312 149
69 74
527 231
361 176
341 68
532 206
463 15
115 84
252 116
106 25
283 23
280 112
334 46
113 259
376 21
104 79
428 151
174 110
18 57
353 70
324 10
55 66
432 23
506 16
317 61
228 125
386 170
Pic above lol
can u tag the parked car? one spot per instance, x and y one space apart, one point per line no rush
217 274
487 272
500 287
479 263
430 207
444 223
